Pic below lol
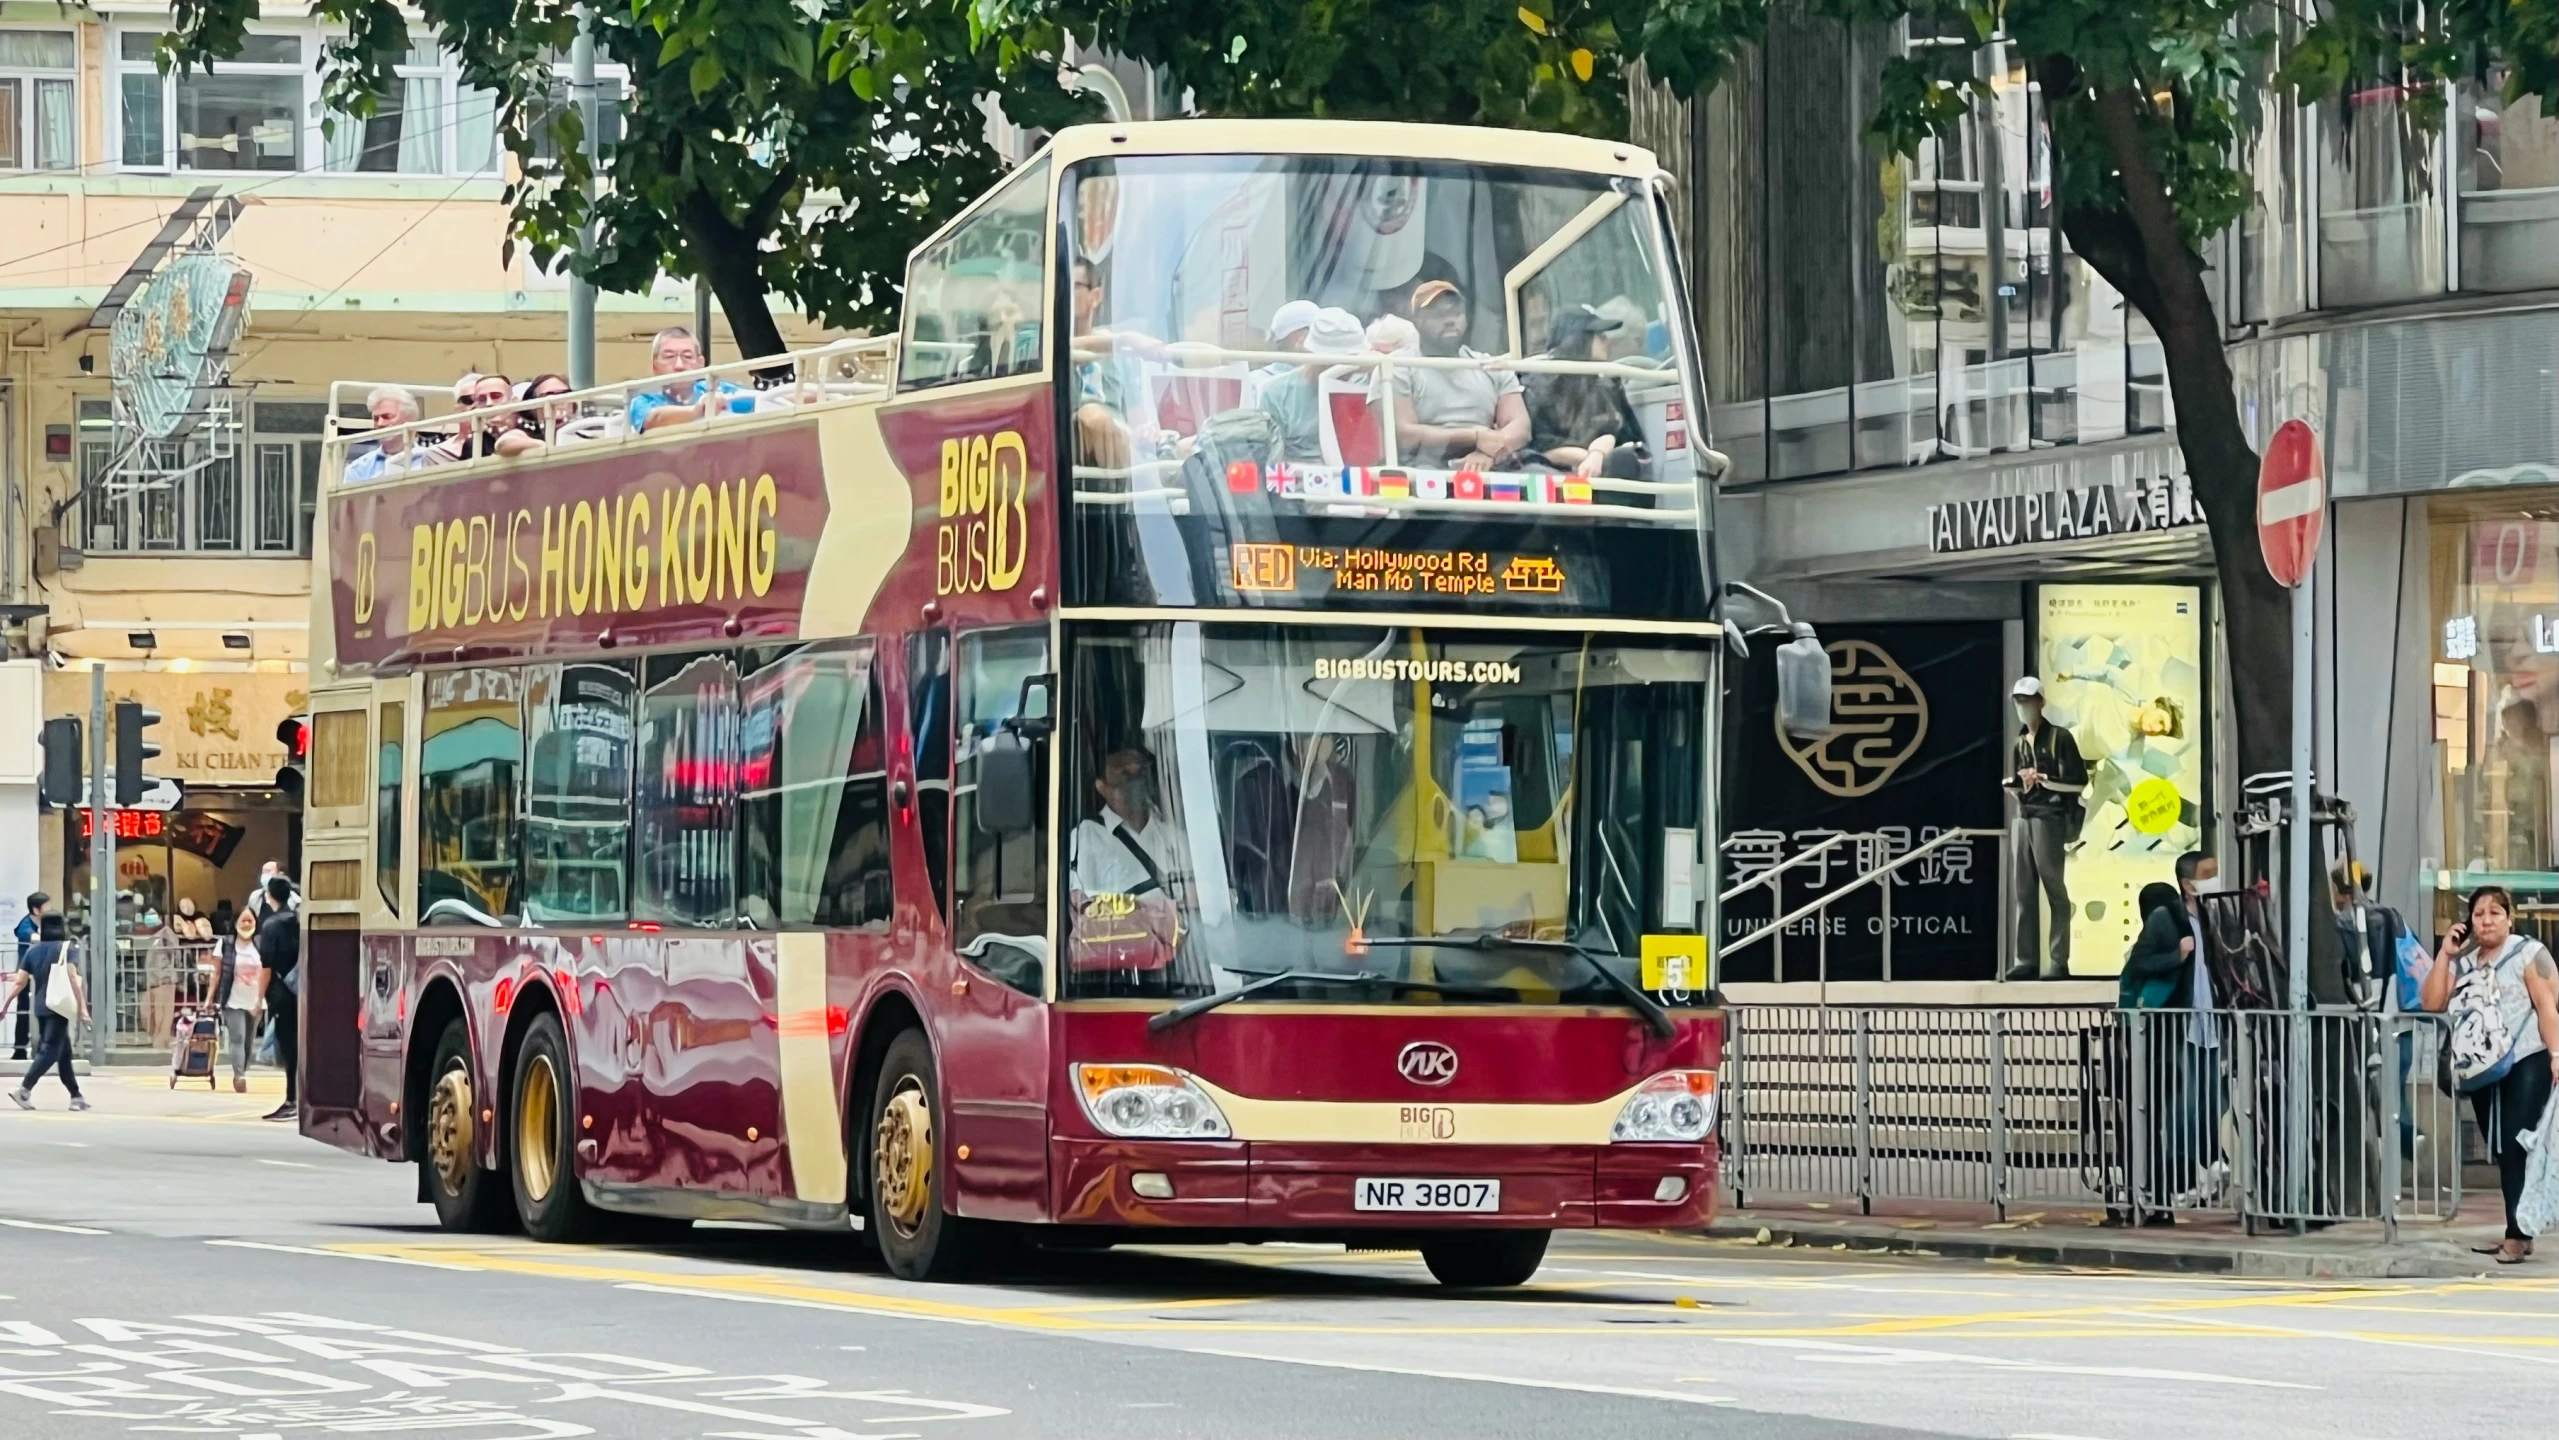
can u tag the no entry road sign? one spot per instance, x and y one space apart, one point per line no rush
2292 502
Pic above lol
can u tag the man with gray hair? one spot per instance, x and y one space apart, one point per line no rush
397 450
672 352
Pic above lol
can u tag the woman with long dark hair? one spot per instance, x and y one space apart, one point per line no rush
2485 953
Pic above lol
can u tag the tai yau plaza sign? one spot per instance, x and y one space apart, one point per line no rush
2139 503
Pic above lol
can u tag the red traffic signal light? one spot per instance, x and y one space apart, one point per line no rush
294 735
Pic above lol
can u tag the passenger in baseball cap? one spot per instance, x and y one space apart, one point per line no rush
1466 419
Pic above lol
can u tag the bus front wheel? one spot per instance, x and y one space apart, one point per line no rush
1485 1258
918 1238
466 1197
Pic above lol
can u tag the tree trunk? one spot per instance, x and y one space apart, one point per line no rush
730 257
2142 252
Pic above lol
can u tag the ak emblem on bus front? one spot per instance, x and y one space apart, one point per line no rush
984 538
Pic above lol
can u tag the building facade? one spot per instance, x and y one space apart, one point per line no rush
377 252
1950 435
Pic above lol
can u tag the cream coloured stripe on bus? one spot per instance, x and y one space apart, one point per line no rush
812 1124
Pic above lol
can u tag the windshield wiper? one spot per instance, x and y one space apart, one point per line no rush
1645 1005
1268 980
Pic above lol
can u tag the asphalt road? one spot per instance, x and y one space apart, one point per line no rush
170 1265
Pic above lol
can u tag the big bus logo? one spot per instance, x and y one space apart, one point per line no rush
985 535
1427 1062
367 575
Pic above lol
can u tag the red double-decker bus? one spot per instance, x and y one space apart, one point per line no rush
1209 733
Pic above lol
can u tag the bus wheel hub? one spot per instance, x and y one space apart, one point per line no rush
902 1158
449 1130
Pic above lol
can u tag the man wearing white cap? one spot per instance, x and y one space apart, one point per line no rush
1292 400
2048 778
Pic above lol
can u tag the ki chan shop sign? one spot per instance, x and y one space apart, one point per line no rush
705 541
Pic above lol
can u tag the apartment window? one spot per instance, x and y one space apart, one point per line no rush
39 113
245 113
405 134
254 492
264 110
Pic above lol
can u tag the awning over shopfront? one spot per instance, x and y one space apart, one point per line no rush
2121 508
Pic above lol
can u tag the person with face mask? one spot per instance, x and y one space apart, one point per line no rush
1129 847
2048 777
2167 970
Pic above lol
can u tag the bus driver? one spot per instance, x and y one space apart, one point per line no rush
1130 847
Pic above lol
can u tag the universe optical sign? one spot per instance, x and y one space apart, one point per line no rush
670 544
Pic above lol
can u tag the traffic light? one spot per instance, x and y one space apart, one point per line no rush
132 752
63 771
294 735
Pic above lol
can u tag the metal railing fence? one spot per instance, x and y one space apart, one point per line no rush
2140 1112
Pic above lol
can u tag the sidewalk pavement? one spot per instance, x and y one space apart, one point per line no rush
121 1092
2215 1244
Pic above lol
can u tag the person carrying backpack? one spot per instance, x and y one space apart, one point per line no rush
2501 991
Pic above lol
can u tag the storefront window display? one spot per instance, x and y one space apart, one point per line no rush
2495 681
2122 669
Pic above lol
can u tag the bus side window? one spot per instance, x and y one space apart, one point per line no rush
388 823
469 761
1001 914
813 790
928 733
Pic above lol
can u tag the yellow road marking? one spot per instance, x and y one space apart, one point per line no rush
1074 1317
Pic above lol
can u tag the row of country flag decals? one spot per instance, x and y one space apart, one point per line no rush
1361 482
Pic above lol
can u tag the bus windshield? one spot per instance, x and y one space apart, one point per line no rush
1251 800
1282 368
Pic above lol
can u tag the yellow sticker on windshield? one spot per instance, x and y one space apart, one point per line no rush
1674 962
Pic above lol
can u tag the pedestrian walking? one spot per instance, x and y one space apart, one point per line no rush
2489 978
20 1014
239 991
279 942
2048 777
49 962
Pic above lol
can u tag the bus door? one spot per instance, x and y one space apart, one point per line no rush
994 1039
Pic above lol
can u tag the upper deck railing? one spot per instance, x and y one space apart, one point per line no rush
591 421
1670 500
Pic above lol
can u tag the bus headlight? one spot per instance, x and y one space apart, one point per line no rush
1149 1102
1674 1105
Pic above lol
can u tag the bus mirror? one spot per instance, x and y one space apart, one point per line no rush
1803 685
1004 799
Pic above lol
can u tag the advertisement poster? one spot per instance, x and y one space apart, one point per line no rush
2122 667
1915 750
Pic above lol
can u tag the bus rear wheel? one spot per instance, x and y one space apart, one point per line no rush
466 1197
907 1218
1485 1258
544 1148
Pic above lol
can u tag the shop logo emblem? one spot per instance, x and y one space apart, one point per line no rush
1878 717
1427 1062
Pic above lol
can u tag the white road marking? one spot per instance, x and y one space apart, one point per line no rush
56 1229
289 1164
1840 1353
1581 1387
341 1255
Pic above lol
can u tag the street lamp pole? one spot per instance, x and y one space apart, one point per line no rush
581 290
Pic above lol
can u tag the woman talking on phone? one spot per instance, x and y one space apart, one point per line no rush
2483 957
